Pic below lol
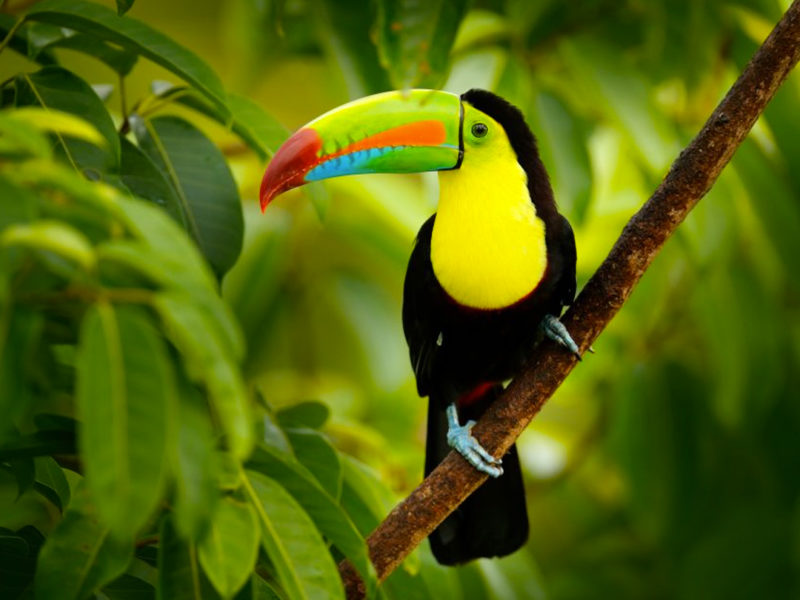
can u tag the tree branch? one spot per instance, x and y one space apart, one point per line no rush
690 177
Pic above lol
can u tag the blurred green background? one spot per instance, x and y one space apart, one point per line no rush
668 465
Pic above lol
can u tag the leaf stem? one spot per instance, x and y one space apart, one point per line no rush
11 33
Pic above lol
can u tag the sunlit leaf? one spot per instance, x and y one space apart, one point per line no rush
126 396
19 139
228 550
328 516
209 207
51 236
175 256
62 123
303 564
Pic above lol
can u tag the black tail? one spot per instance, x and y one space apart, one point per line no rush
493 521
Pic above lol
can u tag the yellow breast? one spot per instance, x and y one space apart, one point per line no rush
488 244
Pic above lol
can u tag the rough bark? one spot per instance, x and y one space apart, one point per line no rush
690 177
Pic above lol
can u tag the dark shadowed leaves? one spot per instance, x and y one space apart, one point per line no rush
81 555
179 574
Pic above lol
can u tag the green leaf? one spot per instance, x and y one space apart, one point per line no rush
117 59
135 36
318 455
301 559
209 362
346 31
52 236
124 6
21 40
20 340
366 500
43 37
195 465
229 549
21 139
304 414
563 147
23 471
167 249
415 38
145 180
327 514
179 573
128 587
80 555
126 398
51 482
59 89
40 443
209 206
60 123
256 127
260 130
17 564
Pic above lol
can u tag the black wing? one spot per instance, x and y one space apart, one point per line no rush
566 287
421 319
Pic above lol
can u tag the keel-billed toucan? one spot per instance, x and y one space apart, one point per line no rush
489 274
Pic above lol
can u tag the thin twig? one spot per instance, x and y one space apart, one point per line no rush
690 177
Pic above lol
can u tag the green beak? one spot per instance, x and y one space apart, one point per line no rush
393 132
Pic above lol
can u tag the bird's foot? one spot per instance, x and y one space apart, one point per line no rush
460 439
555 330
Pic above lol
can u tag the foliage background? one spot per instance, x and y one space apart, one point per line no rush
668 465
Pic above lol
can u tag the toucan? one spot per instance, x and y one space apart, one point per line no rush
488 276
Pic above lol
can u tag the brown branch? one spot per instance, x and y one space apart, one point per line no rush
688 180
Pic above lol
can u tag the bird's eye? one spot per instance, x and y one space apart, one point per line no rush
479 129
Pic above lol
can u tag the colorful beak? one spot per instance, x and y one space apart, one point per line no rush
393 132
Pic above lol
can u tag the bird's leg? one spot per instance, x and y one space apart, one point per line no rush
555 330
459 438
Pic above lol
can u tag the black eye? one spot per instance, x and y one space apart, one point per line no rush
479 130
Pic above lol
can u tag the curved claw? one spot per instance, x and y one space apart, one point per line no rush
555 330
461 440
